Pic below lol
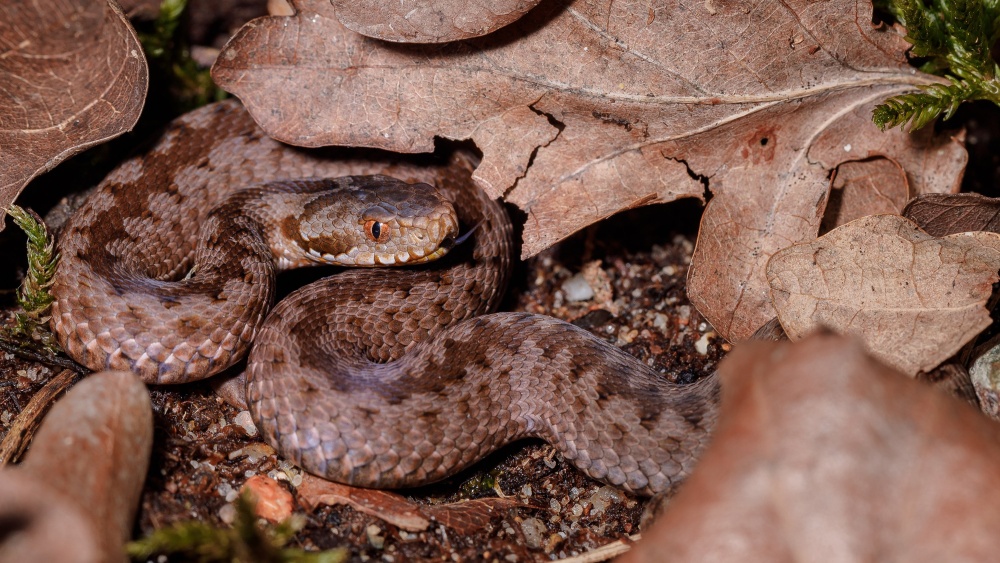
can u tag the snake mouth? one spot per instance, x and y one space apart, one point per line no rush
433 255
441 250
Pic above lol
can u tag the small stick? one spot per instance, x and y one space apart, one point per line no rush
14 444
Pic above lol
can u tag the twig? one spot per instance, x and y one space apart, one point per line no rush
604 553
14 444
49 360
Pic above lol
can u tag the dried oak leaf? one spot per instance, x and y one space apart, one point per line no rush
385 505
583 109
469 516
72 75
465 517
913 299
945 214
411 21
823 454
861 188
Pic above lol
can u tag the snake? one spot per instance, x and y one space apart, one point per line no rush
374 377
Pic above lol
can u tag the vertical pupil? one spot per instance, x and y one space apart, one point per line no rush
376 230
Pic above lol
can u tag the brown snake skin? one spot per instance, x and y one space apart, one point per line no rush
379 378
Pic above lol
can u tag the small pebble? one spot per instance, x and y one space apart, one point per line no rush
603 498
274 502
227 514
660 321
228 492
534 531
554 541
701 345
577 289
244 420
375 537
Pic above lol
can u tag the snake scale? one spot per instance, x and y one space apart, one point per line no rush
373 377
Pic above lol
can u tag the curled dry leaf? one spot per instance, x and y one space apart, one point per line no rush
72 75
583 109
914 299
410 21
823 454
93 448
385 505
465 517
945 214
861 188
470 516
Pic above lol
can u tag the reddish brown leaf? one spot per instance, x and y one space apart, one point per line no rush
40 524
584 109
72 75
823 454
464 517
93 448
945 214
914 299
384 505
409 21
470 516
862 188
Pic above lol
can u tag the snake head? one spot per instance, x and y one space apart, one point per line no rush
370 221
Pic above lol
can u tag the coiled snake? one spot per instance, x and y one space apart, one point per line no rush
375 377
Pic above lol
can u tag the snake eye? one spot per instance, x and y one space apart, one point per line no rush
375 231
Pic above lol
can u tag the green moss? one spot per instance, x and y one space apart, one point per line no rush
953 38
247 541
169 54
33 296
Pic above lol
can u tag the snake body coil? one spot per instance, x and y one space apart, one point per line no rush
383 378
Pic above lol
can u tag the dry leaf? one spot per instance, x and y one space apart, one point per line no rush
385 505
823 454
464 517
93 448
945 214
583 109
39 524
72 74
861 188
469 516
914 299
409 21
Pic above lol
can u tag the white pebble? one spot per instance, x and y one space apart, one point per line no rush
246 422
534 530
577 289
702 344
